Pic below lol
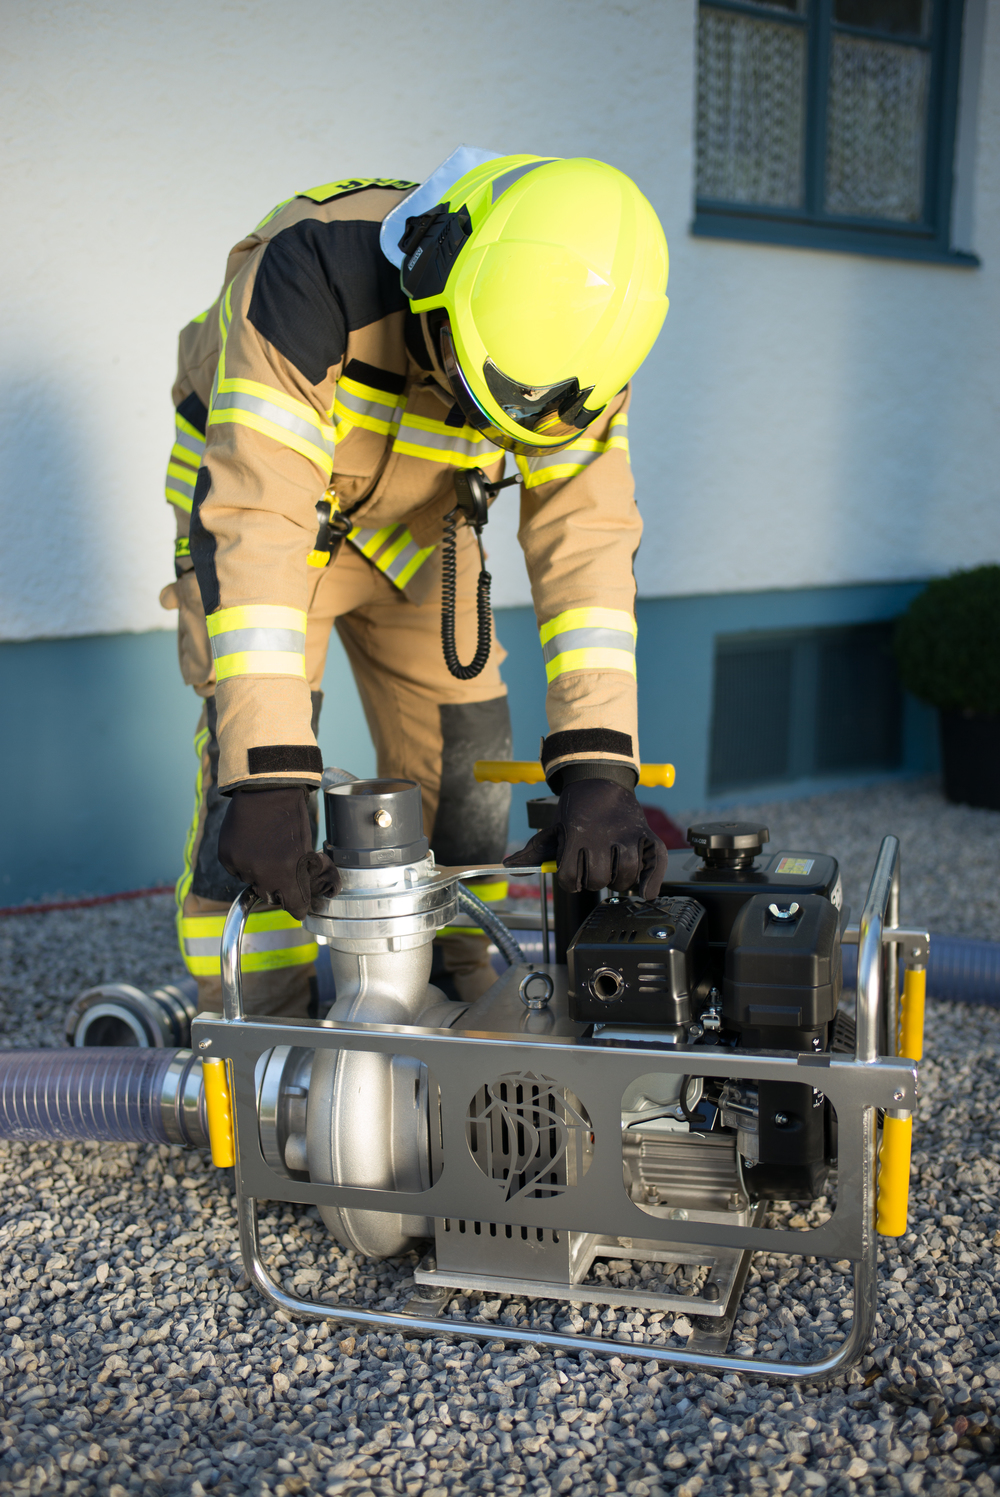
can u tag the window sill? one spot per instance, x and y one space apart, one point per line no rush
849 241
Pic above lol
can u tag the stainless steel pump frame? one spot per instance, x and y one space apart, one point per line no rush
462 1063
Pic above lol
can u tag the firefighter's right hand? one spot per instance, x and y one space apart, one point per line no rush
266 841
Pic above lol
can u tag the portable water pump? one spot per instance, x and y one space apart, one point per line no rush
644 1099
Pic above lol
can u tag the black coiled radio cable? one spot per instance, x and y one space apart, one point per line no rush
449 578
473 492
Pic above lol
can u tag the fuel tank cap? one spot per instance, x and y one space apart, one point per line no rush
728 844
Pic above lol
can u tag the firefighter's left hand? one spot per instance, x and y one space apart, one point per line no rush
266 840
600 840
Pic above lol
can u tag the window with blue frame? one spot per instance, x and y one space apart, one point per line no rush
829 123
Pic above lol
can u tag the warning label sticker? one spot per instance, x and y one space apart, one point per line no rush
799 867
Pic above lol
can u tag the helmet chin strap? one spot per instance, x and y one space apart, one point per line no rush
473 492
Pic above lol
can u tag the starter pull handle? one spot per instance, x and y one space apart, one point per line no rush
530 772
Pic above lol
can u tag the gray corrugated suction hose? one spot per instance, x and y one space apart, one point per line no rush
960 969
104 1096
505 943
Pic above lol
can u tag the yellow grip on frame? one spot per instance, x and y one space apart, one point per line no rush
530 772
894 1176
219 1111
911 1014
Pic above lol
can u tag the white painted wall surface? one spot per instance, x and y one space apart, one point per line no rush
807 418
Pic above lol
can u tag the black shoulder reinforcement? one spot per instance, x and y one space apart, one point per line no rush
285 758
203 545
316 283
586 741
193 410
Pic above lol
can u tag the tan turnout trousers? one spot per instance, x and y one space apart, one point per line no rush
424 724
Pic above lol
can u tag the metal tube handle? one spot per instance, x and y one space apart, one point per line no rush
232 948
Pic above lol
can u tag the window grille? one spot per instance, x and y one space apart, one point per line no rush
828 123
803 704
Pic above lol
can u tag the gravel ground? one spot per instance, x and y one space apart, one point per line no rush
135 1359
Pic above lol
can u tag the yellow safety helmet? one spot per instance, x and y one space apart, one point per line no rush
544 282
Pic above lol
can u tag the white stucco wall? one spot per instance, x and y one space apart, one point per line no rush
806 418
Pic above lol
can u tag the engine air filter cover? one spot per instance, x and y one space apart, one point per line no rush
638 962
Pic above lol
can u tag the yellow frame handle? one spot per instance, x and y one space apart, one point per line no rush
910 1040
894 1176
530 772
219 1111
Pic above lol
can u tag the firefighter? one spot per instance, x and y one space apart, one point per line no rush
372 339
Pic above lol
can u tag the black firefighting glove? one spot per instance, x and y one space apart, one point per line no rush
266 840
600 840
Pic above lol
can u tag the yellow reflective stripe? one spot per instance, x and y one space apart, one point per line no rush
413 566
568 461
264 920
183 885
200 317
233 410
391 552
458 446
595 639
272 940
258 639
183 479
619 432
370 541
184 428
587 618
361 405
259 663
256 616
182 546
254 961
185 460
590 660
181 500
400 559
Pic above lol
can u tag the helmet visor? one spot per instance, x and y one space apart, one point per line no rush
539 418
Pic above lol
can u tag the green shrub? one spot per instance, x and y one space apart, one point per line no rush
947 644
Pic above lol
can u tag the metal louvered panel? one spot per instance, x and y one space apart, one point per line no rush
751 109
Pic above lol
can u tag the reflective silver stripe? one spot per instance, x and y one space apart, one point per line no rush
560 455
362 538
235 640
265 940
174 480
363 406
236 400
411 435
588 639
194 445
399 564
